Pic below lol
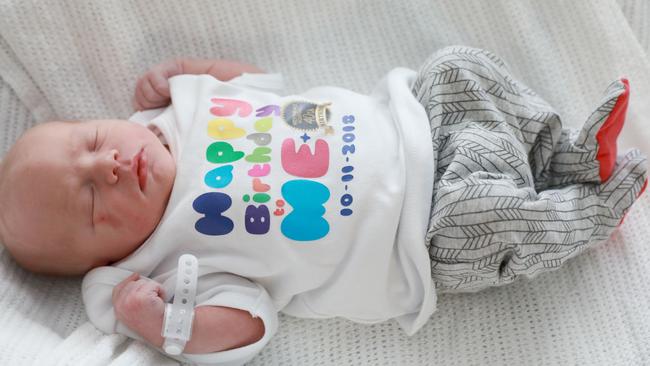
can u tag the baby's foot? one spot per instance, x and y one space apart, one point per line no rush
626 184
591 155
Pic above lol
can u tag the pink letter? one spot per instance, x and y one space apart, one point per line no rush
303 163
259 170
228 107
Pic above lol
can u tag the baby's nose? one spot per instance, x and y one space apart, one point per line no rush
111 165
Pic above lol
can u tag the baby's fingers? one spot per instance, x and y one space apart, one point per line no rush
159 75
151 287
159 84
117 290
139 101
146 97
152 89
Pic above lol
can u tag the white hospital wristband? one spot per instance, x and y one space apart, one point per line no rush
177 323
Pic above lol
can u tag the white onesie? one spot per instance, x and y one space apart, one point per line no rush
315 205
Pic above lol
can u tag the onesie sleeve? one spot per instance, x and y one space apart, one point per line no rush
224 289
216 289
97 294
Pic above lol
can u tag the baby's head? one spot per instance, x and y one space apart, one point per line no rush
77 195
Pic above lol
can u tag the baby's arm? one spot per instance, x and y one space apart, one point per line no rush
152 89
139 304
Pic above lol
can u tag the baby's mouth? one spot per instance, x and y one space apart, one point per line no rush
141 169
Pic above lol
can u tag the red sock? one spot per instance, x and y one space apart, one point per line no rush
608 133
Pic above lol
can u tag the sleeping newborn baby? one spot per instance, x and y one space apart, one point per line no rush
328 203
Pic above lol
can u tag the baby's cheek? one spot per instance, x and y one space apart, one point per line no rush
143 221
136 220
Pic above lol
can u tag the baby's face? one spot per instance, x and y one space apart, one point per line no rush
84 193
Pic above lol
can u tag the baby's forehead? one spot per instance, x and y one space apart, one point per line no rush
51 129
49 135
39 167
34 187
45 142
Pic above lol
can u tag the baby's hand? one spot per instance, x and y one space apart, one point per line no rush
152 89
139 304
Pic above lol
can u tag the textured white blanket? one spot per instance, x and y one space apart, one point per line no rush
78 59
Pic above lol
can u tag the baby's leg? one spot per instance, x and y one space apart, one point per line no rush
462 86
459 86
486 231
494 144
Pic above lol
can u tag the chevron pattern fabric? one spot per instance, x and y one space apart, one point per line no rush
514 193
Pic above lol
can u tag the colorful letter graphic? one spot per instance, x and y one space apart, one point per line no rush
259 186
224 129
268 110
219 177
302 163
212 205
222 152
228 107
306 221
259 170
264 124
260 138
258 219
302 208
259 155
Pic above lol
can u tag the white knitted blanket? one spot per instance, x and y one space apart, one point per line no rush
80 59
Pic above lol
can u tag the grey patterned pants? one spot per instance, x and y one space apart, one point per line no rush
515 194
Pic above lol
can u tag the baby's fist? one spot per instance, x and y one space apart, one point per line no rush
152 89
139 304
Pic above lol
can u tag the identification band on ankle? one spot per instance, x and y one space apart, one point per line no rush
177 324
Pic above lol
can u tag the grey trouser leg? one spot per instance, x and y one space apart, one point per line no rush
514 194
